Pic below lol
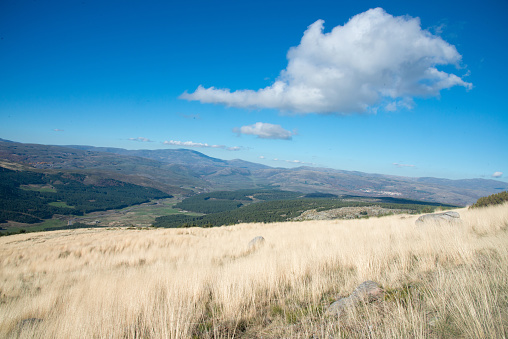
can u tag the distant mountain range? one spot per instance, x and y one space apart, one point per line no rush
182 171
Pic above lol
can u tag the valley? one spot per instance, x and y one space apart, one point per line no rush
57 187
142 215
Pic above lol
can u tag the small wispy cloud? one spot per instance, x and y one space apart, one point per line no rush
140 139
199 145
402 165
497 174
438 29
58 130
293 161
265 130
191 144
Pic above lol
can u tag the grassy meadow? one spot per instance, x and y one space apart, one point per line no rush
142 215
440 280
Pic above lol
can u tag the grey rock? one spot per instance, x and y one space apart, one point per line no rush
340 306
255 243
346 213
367 292
450 216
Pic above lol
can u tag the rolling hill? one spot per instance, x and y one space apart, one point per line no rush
181 171
239 174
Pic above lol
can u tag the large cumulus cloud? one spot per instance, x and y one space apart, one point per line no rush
374 60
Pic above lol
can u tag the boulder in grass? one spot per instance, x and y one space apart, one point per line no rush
450 216
367 292
340 306
256 243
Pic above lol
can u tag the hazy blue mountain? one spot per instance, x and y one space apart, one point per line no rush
198 162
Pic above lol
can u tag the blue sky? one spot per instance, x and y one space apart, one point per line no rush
413 89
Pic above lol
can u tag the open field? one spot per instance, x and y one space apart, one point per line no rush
441 280
39 188
141 215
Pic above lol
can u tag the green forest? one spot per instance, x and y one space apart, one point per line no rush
31 197
223 201
228 208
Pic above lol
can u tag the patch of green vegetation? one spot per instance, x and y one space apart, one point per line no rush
494 199
200 205
158 211
292 314
39 188
28 228
138 215
320 195
52 223
60 204
403 294
223 201
276 310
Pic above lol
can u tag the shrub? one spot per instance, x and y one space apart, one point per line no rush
494 199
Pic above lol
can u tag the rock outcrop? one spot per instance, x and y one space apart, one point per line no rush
349 213
256 243
449 216
367 292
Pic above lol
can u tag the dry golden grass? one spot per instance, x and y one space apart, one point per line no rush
441 280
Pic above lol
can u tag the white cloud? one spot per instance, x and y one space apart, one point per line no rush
374 60
294 161
199 144
191 144
497 174
140 139
402 165
261 157
58 130
265 130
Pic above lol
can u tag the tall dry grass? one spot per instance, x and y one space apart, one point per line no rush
441 280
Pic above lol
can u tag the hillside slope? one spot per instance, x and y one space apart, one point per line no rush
140 171
439 281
